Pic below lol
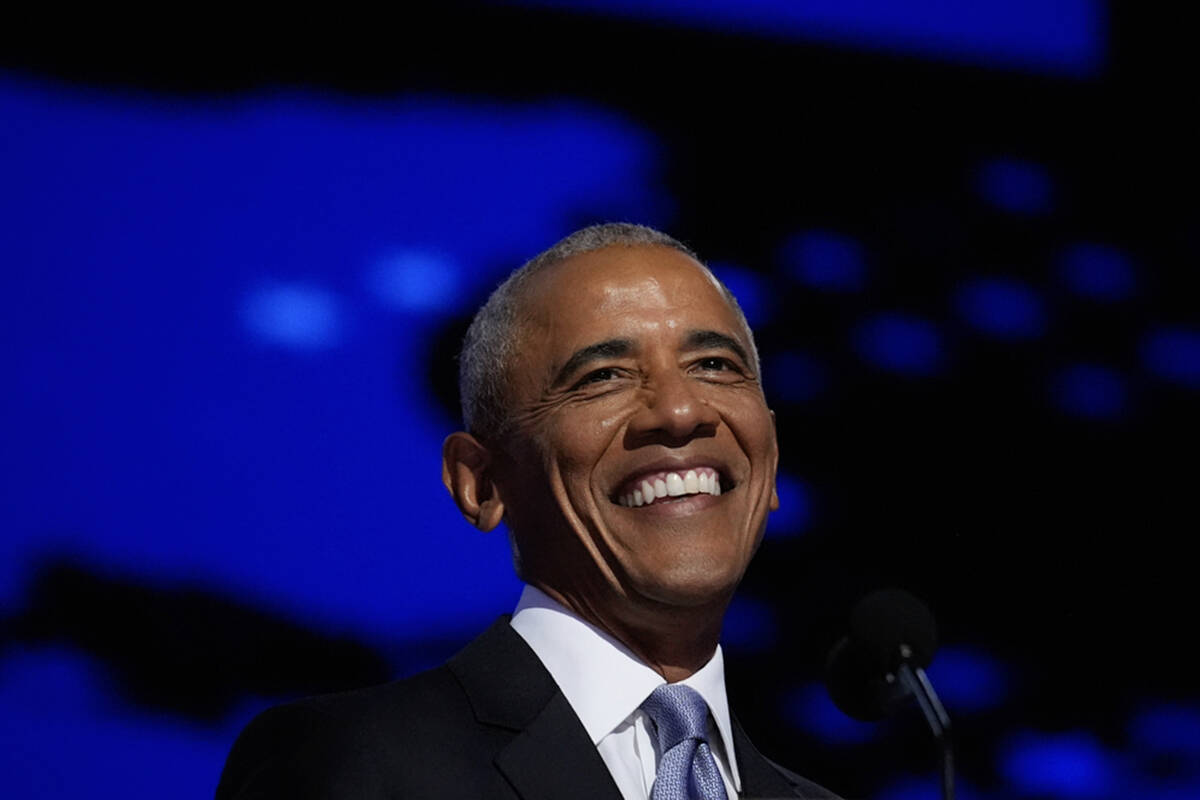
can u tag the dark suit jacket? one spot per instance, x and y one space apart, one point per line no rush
490 723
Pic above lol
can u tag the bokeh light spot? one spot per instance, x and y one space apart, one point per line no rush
1091 391
901 343
1067 765
417 280
825 260
795 507
750 625
811 710
750 289
1003 308
1174 355
1015 186
294 316
1097 271
968 679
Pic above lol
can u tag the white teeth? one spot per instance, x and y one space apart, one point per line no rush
691 483
637 497
647 492
716 487
660 488
674 484
702 482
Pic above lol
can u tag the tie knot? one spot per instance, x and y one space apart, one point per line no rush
679 712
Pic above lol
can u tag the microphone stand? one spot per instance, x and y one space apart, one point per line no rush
914 679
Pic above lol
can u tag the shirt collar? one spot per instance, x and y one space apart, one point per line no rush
601 678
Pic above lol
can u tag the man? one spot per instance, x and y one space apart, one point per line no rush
616 423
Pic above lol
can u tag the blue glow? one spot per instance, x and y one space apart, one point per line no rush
750 625
901 343
1067 36
811 710
418 280
793 377
1003 308
1091 391
751 290
926 788
1016 187
825 260
1066 765
795 507
1098 272
225 223
297 317
1172 730
968 680
1174 355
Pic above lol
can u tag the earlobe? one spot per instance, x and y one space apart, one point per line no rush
466 474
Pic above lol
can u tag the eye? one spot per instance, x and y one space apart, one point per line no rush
596 376
715 364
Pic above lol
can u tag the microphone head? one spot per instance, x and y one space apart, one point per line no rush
886 628
890 620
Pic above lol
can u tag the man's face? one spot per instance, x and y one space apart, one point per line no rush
633 375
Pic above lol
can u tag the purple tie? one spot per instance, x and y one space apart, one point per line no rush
686 767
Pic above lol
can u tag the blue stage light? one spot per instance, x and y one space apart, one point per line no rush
925 788
795 507
1016 187
1173 354
1003 308
810 709
1066 765
1097 271
750 625
295 316
1172 730
968 679
901 343
825 260
793 377
750 289
418 281
1067 36
1091 391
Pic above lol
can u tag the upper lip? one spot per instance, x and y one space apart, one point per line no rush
675 464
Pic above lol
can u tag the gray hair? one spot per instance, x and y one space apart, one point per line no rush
491 340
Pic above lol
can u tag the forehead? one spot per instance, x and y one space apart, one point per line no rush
625 290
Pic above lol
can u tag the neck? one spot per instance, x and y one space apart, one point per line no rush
674 641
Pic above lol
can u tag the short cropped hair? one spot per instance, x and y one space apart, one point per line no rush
491 339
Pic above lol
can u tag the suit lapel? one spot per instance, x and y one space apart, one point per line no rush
551 755
759 778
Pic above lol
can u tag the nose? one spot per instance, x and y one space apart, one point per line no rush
673 411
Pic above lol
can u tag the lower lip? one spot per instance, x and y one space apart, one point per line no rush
680 507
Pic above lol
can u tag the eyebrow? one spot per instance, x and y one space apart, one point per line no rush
610 348
703 340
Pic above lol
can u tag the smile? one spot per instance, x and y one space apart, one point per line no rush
660 487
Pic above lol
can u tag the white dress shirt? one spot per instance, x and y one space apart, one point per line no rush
605 683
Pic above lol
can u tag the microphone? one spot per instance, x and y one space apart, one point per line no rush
880 665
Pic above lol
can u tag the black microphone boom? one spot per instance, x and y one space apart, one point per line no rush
874 671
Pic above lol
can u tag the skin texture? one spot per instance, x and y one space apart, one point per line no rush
629 362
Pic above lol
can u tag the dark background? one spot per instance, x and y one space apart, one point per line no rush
972 274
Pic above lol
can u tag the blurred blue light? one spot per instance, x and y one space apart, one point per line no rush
1174 355
294 316
811 710
750 625
1067 765
968 680
1167 730
1017 187
418 280
1066 36
1003 308
795 507
1091 391
751 290
901 343
793 377
926 788
825 260
1097 271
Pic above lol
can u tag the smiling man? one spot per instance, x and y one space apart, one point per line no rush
616 423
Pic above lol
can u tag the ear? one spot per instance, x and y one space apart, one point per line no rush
466 473
774 506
